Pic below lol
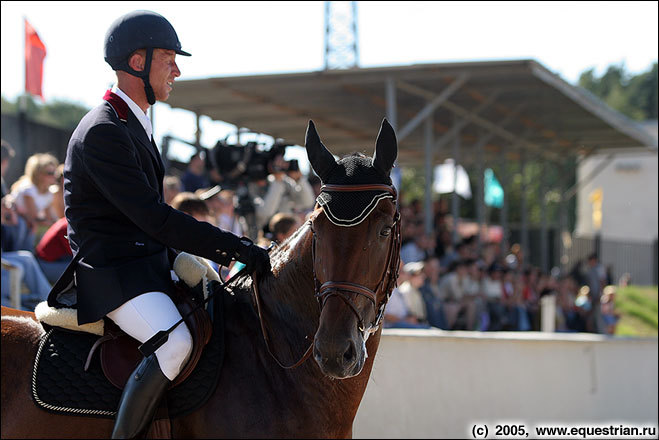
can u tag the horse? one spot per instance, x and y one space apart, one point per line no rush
324 299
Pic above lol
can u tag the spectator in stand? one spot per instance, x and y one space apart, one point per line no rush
24 260
431 293
171 187
568 318
32 195
493 290
195 176
610 316
452 292
413 298
7 154
531 296
397 314
596 278
53 251
420 248
192 205
282 226
58 191
459 252
228 219
16 234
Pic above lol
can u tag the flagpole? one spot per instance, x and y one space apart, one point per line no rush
22 102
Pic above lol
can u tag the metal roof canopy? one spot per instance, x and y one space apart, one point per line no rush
510 106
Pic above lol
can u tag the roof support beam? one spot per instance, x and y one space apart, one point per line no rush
505 134
464 122
435 102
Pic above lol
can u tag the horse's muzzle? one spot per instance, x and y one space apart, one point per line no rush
339 358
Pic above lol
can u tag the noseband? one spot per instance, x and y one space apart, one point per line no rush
343 289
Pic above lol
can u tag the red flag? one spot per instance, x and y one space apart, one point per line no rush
35 52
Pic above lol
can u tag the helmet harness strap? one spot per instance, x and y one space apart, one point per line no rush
144 74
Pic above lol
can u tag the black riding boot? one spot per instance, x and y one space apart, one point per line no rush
141 396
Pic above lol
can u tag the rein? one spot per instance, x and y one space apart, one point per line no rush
342 289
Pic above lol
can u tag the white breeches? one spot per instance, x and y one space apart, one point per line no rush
147 314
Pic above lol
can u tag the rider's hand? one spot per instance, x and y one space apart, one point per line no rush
255 258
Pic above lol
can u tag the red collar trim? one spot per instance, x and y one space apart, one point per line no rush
119 105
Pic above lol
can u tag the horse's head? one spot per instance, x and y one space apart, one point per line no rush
356 246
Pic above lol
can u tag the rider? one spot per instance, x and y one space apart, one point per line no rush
120 228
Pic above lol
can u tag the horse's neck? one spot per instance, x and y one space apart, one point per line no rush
290 309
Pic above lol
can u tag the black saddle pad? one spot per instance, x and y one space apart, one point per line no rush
60 384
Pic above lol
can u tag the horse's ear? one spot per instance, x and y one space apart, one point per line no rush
386 148
320 158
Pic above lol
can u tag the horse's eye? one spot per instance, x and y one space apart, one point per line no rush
386 232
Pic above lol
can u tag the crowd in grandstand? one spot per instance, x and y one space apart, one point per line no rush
444 282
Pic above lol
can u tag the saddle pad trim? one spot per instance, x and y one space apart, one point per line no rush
44 405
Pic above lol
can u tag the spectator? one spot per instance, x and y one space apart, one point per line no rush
568 317
171 187
420 248
452 292
431 293
279 193
16 234
228 219
397 314
610 316
53 251
58 191
33 278
413 298
192 205
13 255
32 195
7 154
195 175
596 277
282 226
493 290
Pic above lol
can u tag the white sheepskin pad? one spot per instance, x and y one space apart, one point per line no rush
66 318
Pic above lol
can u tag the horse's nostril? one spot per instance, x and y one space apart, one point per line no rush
349 354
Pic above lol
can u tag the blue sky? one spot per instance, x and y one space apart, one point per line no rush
237 38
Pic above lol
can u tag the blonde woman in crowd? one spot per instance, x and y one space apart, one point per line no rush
32 195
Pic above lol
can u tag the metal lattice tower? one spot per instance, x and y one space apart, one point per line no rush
341 43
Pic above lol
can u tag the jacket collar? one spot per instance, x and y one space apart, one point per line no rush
126 116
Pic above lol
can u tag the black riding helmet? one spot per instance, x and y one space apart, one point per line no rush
139 30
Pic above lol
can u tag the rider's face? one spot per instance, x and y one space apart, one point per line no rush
163 73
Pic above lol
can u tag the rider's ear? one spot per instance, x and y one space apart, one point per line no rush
386 148
319 156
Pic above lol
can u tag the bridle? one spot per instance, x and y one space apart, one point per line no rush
343 289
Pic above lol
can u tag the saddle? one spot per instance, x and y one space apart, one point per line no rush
119 352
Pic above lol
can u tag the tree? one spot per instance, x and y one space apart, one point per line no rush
632 95
57 113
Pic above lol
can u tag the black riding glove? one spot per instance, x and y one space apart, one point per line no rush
255 258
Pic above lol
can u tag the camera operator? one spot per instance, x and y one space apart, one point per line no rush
280 192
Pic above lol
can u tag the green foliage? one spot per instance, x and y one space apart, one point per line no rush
638 307
632 95
56 113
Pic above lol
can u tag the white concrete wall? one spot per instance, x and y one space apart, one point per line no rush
437 384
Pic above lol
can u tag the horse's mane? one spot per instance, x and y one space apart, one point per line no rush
287 295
